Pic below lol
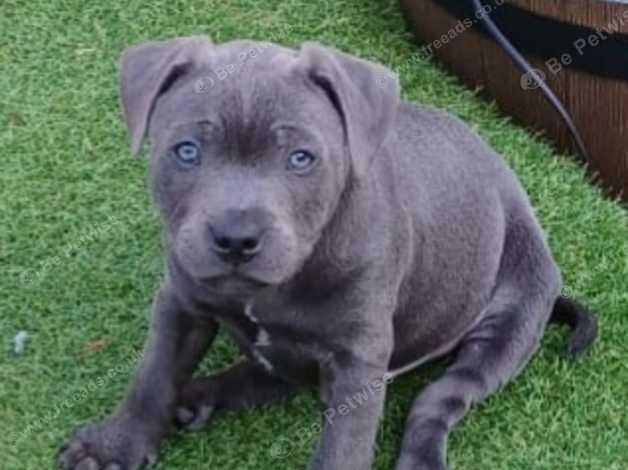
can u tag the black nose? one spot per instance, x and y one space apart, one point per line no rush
237 236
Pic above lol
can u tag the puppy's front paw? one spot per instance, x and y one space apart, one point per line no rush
196 404
113 444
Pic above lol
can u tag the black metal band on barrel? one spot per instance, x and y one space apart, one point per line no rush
602 52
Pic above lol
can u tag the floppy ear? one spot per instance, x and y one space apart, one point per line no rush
365 94
147 70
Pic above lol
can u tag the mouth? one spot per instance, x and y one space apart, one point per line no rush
234 282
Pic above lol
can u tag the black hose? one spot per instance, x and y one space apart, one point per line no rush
484 15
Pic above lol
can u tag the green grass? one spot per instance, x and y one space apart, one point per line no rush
80 247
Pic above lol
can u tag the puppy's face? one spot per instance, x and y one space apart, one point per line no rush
246 173
252 148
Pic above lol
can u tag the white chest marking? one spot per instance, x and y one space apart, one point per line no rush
248 311
262 339
262 360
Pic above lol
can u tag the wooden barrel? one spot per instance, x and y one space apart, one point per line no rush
580 47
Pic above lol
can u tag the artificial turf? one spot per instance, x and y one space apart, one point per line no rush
80 247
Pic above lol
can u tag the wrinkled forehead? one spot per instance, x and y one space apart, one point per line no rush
244 87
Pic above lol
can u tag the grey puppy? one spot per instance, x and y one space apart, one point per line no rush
342 236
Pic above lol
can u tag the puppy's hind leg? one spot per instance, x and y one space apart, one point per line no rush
489 356
243 385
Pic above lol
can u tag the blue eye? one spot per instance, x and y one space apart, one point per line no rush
188 153
300 161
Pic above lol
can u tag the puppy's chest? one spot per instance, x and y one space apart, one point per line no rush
275 343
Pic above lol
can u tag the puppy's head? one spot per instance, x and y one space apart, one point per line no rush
252 147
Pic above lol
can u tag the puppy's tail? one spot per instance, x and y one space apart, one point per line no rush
581 322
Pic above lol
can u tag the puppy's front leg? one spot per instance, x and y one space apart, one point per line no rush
353 390
131 436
